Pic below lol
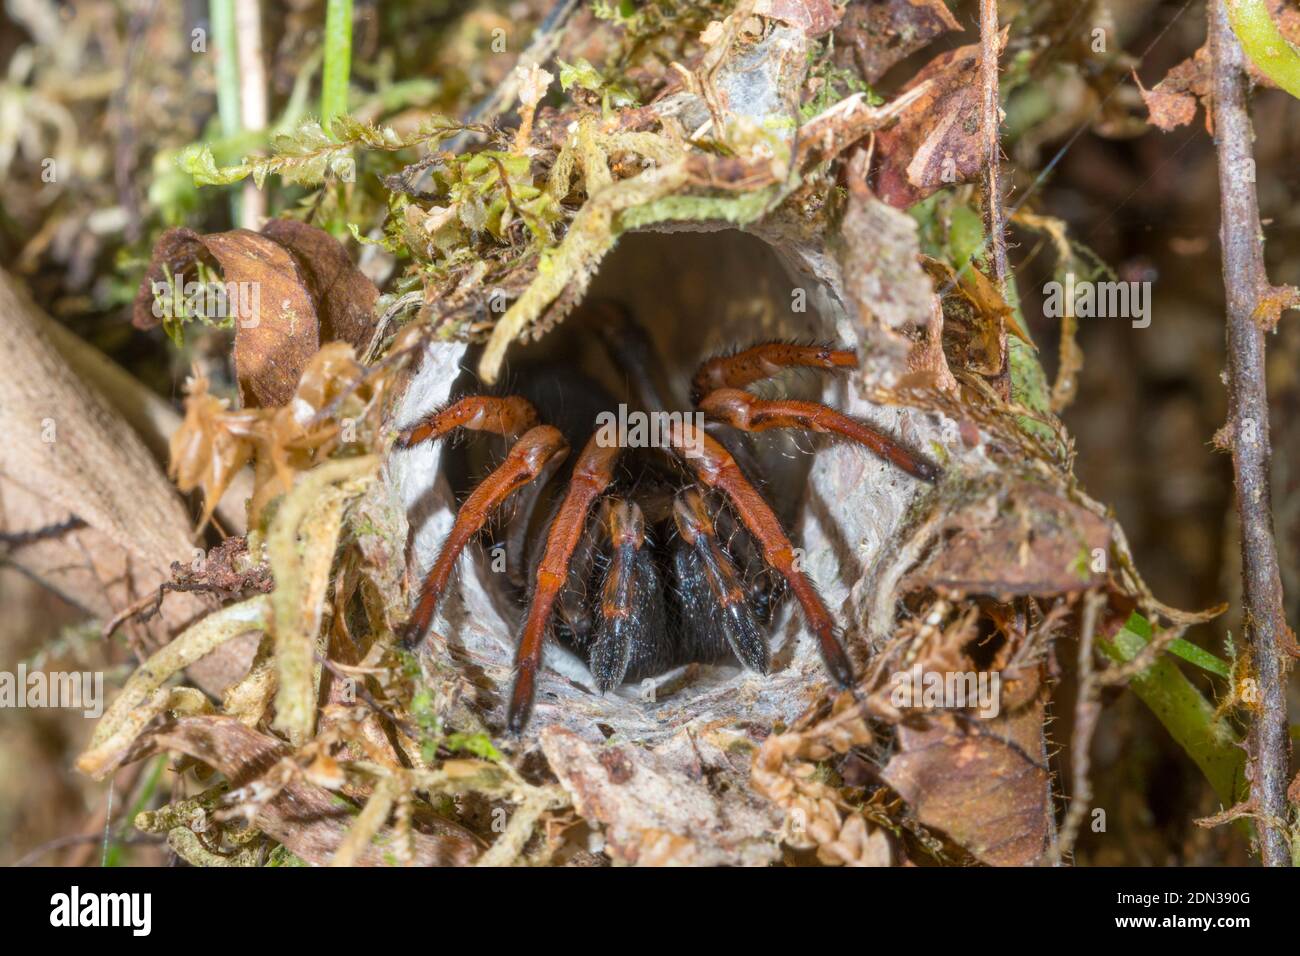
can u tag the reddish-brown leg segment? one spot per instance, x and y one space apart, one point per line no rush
524 462
763 361
716 468
742 410
592 474
508 415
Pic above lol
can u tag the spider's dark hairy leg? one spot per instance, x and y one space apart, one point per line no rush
764 586
573 610
715 467
592 474
764 361
740 409
631 615
630 348
703 556
525 461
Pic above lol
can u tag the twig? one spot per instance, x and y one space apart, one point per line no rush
994 221
1087 709
18 539
1245 284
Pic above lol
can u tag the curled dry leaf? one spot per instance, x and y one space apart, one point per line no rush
297 285
936 143
984 783
1024 540
874 36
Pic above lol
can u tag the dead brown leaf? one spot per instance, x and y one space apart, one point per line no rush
681 803
304 291
936 143
1026 541
982 782
813 17
882 271
872 37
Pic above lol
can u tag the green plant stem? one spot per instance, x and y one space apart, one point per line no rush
222 15
1209 740
338 60
1264 43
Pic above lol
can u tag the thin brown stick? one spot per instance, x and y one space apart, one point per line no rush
991 129
1246 283
1087 709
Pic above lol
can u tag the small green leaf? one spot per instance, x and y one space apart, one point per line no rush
197 160
1264 43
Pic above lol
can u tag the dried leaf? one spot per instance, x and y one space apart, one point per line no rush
937 142
666 805
985 785
813 17
1025 541
309 820
345 298
1172 101
882 272
295 281
874 36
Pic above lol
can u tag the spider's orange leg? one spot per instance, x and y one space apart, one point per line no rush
539 445
740 409
592 474
507 415
763 361
715 467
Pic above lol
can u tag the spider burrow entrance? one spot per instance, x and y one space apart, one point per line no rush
656 542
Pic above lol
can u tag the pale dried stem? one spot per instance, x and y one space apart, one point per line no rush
1245 283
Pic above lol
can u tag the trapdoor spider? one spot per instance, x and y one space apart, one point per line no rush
646 558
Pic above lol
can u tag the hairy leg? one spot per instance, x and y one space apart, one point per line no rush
526 459
592 474
740 409
715 467
763 361
724 595
508 415
524 462
630 608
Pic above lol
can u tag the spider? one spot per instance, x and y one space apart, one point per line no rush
645 558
